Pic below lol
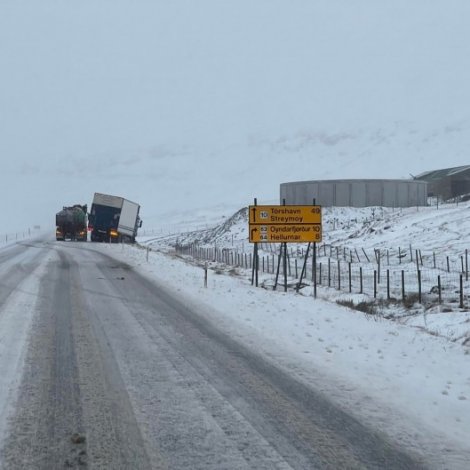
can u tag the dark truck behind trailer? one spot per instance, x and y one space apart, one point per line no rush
113 219
71 223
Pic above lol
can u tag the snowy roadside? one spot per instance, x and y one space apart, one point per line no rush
412 385
355 239
8 239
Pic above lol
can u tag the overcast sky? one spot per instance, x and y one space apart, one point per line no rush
190 103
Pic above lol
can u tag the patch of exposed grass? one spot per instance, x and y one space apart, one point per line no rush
346 303
366 307
410 300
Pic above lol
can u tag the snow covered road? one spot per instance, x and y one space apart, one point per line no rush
104 368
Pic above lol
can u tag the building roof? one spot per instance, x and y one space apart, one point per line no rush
439 174
357 180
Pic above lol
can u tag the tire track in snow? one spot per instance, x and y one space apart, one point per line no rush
19 290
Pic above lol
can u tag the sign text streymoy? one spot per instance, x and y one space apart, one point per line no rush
285 224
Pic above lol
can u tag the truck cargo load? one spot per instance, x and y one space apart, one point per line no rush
113 219
71 223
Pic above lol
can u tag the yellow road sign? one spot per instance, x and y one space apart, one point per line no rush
285 215
287 233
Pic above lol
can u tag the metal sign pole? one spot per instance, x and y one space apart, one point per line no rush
285 267
314 267
257 264
314 270
254 267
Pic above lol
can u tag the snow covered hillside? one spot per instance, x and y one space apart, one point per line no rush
359 245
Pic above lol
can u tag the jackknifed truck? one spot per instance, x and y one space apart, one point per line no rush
113 219
71 223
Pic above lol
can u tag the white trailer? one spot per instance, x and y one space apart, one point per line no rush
129 218
113 218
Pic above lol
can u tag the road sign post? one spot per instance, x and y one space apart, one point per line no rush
285 224
314 269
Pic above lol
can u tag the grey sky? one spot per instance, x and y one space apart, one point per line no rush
189 102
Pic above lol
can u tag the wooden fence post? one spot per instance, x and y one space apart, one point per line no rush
357 255
329 272
419 286
339 275
388 284
461 291
378 266
350 281
439 288
403 296
365 254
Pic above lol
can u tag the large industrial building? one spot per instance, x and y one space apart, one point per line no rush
356 192
447 183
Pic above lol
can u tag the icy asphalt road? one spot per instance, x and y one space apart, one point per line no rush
100 368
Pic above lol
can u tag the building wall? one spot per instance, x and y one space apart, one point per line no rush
460 184
441 188
356 193
447 183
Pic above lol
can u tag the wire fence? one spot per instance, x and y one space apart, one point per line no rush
14 236
403 274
